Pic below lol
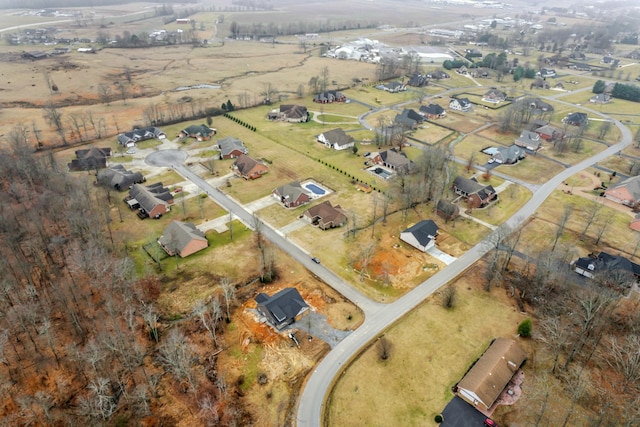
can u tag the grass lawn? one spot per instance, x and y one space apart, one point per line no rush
617 163
414 384
589 148
328 118
377 97
510 200
471 146
533 169
167 178
431 133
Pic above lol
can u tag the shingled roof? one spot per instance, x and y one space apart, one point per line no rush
118 177
326 215
283 308
177 237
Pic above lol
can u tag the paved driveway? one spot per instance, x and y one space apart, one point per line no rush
459 413
437 253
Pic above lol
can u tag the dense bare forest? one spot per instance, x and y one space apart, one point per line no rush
80 340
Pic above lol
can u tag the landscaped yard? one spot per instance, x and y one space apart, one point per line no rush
509 201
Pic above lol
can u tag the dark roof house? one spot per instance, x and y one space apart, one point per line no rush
432 111
575 119
608 264
128 139
119 178
329 96
476 194
392 87
421 235
508 155
90 159
290 113
154 200
408 119
183 239
460 104
199 132
326 216
283 308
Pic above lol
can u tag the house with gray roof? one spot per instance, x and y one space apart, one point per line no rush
292 195
329 96
182 239
337 139
476 194
129 139
199 132
575 119
393 87
393 159
600 98
494 95
283 308
231 148
408 119
421 236
432 111
119 178
529 140
605 263
154 200
508 155
289 113
460 104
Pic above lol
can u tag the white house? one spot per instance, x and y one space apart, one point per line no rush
421 236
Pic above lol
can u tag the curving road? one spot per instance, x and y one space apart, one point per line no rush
312 400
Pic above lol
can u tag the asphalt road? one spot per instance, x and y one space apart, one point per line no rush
312 399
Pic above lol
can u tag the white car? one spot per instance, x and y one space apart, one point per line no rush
131 151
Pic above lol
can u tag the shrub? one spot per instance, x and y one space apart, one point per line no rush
438 418
384 348
524 328
448 296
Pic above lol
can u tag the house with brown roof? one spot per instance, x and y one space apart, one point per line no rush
393 159
337 139
290 113
484 382
326 216
476 194
626 192
549 133
90 159
249 168
447 210
292 195
183 239
494 95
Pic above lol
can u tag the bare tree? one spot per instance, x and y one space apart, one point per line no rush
623 354
229 293
104 93
176 356
53 116
562 223
268 90
209 315
364 258
590 214
554 335
324 78
384 347
604 224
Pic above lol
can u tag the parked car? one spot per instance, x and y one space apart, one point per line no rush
490 423
316 260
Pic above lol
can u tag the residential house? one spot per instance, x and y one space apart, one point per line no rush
337 139
626 192
421 236
326 216
154 200
600 98
635 223
549 133
290 113
547 72
329 96
90 159
118 178
129 139
529 140
249 168
508 155
539 83
418 80
538 106
393 87
462 70
578 66
607 264
559 86
483 73
199 132
438 75
447 210
610 61
432 111
292 195
182 239
393 159
408 119
494 96
476 194
283 308
231 148
460 104
489 375
575 119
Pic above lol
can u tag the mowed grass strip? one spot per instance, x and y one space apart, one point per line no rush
431 350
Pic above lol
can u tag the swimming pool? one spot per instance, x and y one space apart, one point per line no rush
381 172
315 189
